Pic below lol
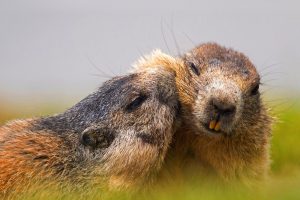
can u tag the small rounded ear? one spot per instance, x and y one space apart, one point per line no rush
96 137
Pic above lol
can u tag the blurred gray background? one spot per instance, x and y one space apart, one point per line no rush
63 49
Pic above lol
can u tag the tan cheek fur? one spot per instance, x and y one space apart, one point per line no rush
136 165
134 162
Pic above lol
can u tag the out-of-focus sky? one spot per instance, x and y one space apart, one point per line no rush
48 49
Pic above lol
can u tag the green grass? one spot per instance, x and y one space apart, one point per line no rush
284 182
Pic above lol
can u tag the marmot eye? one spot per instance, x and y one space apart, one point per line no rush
254 91
194 68
136 103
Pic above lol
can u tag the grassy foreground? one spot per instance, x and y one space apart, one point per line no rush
284 182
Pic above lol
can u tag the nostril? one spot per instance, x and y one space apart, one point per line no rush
228 111
223 108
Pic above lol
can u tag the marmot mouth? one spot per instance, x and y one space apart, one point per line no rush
214 126
213 131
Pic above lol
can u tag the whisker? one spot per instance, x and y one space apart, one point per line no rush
273 73
280 110
269 66
174 37
189 39
265 82
164 36
96 67
101 76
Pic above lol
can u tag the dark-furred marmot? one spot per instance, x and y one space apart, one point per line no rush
116 137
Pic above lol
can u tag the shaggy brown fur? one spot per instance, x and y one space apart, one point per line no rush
116 137
219 85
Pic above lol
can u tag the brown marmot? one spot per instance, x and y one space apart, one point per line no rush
226 127
118 136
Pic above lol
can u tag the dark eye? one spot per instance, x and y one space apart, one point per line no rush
254 91
137 102
194 68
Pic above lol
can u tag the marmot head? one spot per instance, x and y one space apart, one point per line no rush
139 103
130 137
220 91
123 130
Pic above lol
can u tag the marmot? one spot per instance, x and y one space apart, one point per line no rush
118 136
226 127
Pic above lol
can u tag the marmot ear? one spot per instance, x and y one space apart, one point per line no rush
96 137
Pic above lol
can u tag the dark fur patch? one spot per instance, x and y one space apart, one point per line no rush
148 138
25 153
136 103
41 157
94 108
31 142
99 138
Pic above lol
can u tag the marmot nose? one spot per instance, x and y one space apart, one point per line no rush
223 108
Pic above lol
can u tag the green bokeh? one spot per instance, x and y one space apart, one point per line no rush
284 181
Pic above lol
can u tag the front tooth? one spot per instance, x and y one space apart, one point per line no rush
212 124
218 126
